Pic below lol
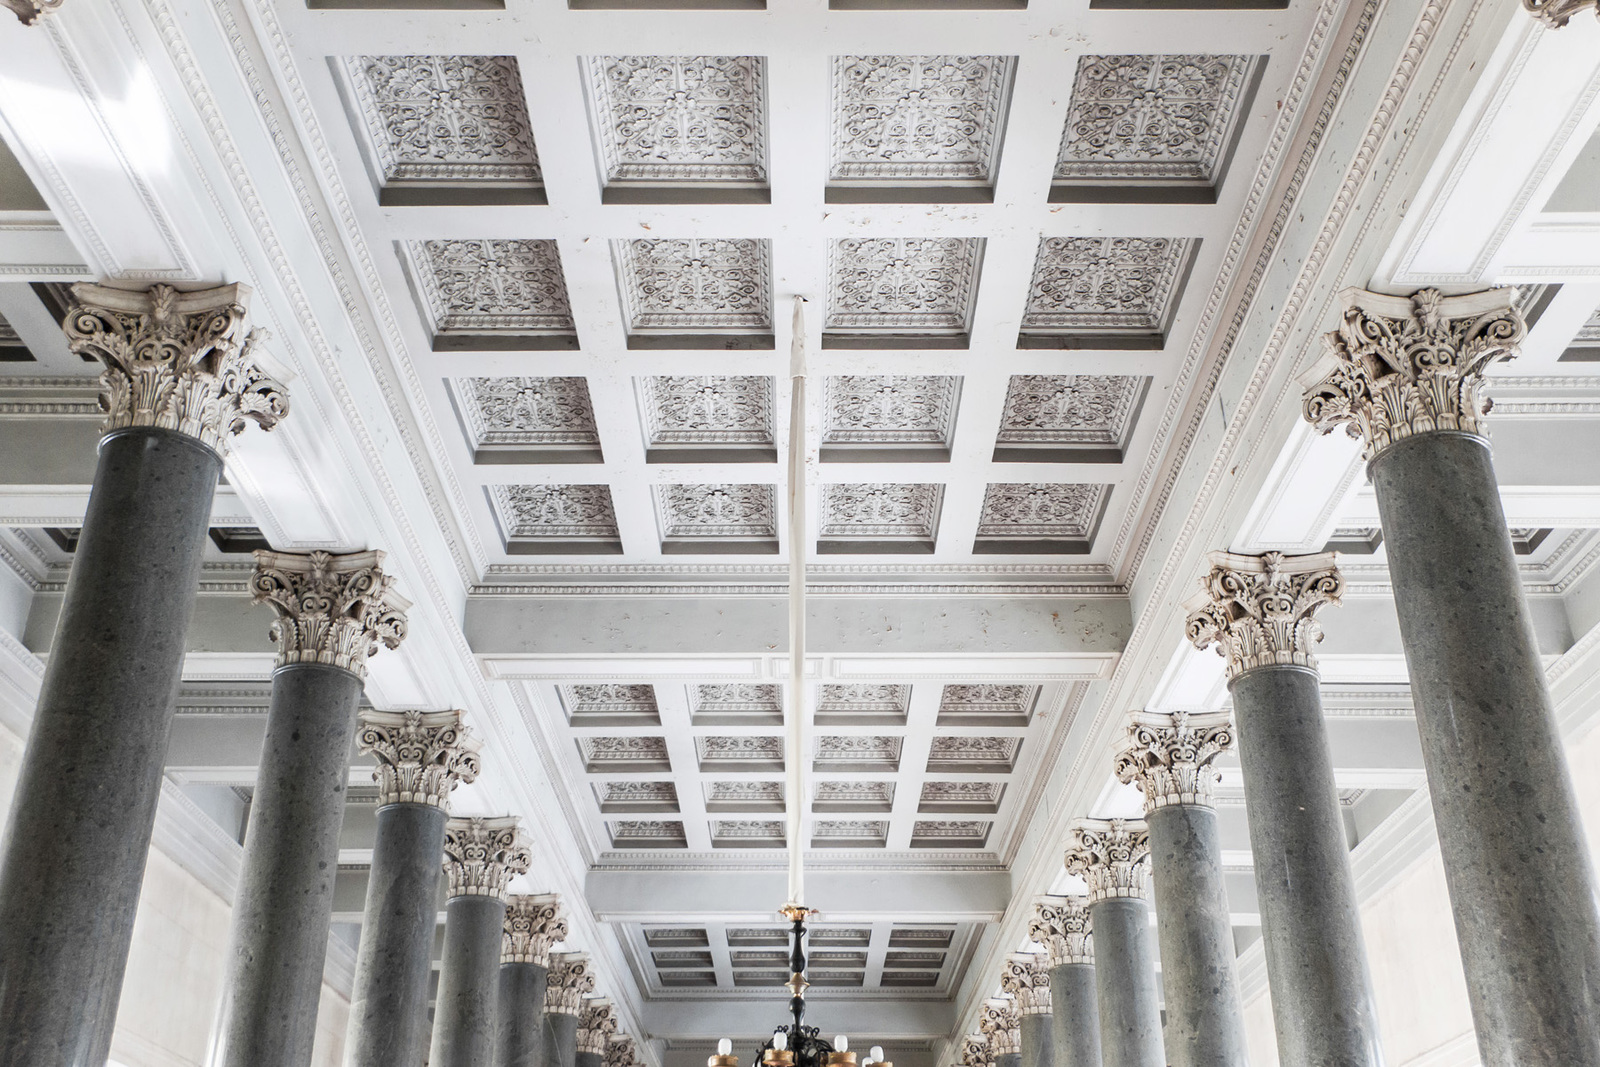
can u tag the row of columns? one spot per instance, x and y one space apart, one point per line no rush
1403 374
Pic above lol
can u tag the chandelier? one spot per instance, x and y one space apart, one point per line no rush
794 1044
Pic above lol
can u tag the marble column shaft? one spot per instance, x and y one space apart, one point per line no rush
521 1040
561 1039
569 980
90 779
1026 977
178 382
1038 1048
1061 925
1521 881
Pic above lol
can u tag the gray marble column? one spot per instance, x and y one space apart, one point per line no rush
1260 611
1061 925
597 1021
480 858
332 612
1026 977
1112 858
569 981
533 924
1002 1028
178 382
1521 882
421 757
1168 756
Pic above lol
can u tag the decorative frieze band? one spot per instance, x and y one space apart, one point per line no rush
422 755
1112 856
1026 976
1401 366
1260 611
482 855
533 923
176 361
1002 1026
570 979
1168 756
1061 925
331 609
597 1021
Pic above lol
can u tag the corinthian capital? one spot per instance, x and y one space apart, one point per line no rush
1260 611
482 855
1112 856
30 10
975 1051
570 978
177 361
597 1021
331 609
422 755
1002 1026
533 924
1026 976
1555 13
1397 366
620 1052
1168 756
1061 925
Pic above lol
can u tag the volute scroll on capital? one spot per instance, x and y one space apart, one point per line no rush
1001 1026
569 981
1557 13
1260 611
1112 856
620 1052
1401 366
422 755
597 1021
30 10
482 855
1168 756
332 609
534 924
975 1051
174 360
1026 977
1062 926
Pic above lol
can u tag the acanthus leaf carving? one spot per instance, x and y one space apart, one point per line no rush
703 511
333 609
422 755
533 924
528 410
1112 856
1168 756
708 409
881 510
903 284
681 118
597 1021
918 118
1002 1026
881 409
1105 284
492 287
569 981
1260 611
482 855
695 283
556 512
175 361
1041 509
1061 924
1068 408
975 1051
1406 366
620 1052
1026 976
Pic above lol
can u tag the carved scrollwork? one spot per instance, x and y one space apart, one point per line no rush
1557 13
482 855
975 1051
569 980
331 609
533 923
1260 611
173 360
1002 1026
1026 976
597 1021
1062 926
1397 367
1168 756
422 755
30 10
1112 856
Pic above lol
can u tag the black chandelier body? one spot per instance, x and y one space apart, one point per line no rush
805 1047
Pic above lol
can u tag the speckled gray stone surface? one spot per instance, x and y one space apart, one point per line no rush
520 1030
1322 1003
1074 1016
90 779
291 860
1125 984
469 983
389 1000
1205 1021
1005 1059
560 1039
589 1059
1519 872
1036 1041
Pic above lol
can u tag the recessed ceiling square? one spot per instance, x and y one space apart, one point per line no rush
647 833
987 704
862 704
855 752
973 755
528 420
744 796
491 295
630 798
610 704
708 418
889 419
879 517
1105 292
680 129
1068 418
901 292
961 798
718 753
736 704
695 292
624 755
852 796
556 519
747 833
1039 517
717 519
847 833
949 833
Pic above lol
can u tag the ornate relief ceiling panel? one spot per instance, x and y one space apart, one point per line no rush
878 517
611 704
1104 292
1151 127
1040 517
708 418
556 518
718 518
1068 418
878 418
857 753
696 292
487 294
445 129
736 704
987 705
861 704
950 833
624 755
917 127
528 420
744 796
852 795
977 798
624 797
671 127
901 292
973 755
